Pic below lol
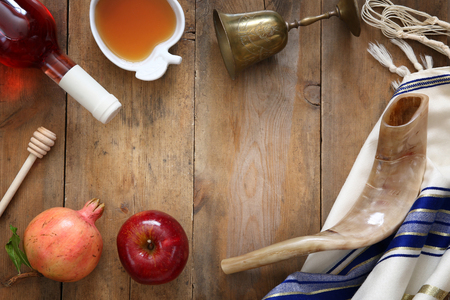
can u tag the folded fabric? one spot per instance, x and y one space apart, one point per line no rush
413 263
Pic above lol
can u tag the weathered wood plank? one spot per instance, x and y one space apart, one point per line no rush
256 153
142 160
28 100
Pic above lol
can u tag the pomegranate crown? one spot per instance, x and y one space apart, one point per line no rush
93 209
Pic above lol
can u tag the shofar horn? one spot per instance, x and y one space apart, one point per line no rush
389 193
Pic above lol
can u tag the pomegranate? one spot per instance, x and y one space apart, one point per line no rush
63 244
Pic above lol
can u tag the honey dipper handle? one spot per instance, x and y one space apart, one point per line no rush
17 182
41 142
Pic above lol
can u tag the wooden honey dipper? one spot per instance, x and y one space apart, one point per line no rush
40 143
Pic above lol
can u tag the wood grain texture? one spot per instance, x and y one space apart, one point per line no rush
251 152
142 160
240 163
28 100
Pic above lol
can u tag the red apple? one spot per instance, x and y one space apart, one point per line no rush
153 247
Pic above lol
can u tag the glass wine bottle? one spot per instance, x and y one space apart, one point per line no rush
28 40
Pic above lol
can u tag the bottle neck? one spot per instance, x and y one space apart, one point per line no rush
56 65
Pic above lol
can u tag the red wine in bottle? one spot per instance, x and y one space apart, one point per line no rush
28 40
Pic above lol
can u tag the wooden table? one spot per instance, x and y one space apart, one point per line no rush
241 164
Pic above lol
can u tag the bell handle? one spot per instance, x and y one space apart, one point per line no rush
310 20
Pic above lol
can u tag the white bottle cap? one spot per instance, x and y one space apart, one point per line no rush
90 94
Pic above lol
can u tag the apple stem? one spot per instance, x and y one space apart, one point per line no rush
150 246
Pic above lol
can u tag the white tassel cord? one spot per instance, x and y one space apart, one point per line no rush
406 48
395 85
391 13
396 21
380 53
427 61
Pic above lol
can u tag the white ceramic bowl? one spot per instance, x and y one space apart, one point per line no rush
154 66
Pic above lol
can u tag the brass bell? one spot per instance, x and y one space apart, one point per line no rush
247 38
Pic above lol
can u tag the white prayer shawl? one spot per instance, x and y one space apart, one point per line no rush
396 274
415 264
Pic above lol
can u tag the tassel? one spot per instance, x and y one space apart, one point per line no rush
395 85
427 61
406 48
397 21
380 53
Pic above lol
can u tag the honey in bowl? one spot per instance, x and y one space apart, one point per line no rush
131 29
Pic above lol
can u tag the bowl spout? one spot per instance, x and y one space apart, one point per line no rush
156 67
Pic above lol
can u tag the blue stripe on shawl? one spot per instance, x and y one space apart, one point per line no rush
425 231
422 83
